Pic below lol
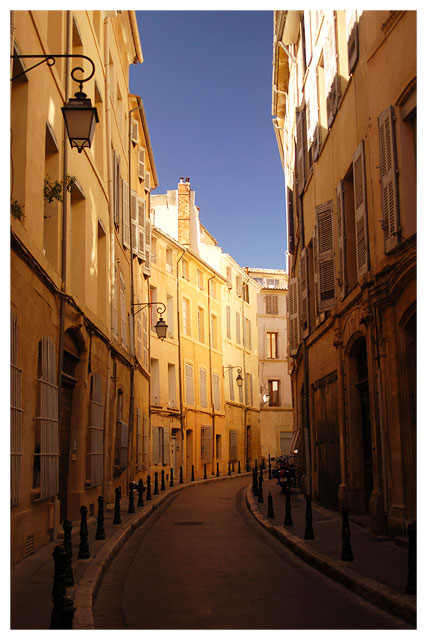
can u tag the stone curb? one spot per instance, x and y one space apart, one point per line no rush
85 591
377 593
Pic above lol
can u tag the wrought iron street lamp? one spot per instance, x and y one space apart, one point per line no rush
239 378
79 115
161 327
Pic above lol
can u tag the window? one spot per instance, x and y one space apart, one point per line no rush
274 393
248 334
213 289
139 436
389 172
352 39
214 332
185 270
146 440
285 442
238 338
15 414
228 321
272 345
122 430
186 326
203 388
200 283
231 382
116 189
189 385
239 286
146 268
206 444
96 432
170 316
347 264
201 324
229 278
172 385
301 145
155 382
332 80
245 292
123 314
153 308
154 254
144 338
169 260
325 257
271 304
141 163
249 389
161 450
125 214
232 445
216 392
141 229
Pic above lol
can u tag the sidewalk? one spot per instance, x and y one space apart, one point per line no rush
379 570
32 578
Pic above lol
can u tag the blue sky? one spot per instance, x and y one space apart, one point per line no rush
206 87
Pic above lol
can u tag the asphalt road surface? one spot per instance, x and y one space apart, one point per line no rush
201 561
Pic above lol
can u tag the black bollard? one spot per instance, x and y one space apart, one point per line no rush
261 473
131 508
84 552
308 533
248 466
163 486
270 511
205 477
217 469
411 587
238 466
288 511
269 467
156 483
229 468
117 518
192 473
181 479
100 533
69 578
171 479
256 466
260 494
141 490
346 553
63 605
148 496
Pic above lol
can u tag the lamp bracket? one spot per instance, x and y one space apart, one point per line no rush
50 61
225 369
161 308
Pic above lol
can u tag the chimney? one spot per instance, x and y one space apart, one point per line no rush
184 190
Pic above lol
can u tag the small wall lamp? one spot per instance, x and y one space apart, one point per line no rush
161 327
239 378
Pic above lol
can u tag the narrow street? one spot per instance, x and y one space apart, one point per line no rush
202 562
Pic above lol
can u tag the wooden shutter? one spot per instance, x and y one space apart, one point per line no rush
332 85
203 388
49 441
228 319
146 441
116 189
290 219
360 211
300 151
293 333
238 339
166 447
141 228
156 443
352 39
303 290
123 315
189 392
342 261
141 163
147 266
134 130
114 305
96 430
325 256
138 465
216 392
206 443
231 383
125 214
15 414
388 168
147 183
232 443
134 221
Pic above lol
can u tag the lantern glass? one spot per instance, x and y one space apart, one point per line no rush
161 328
80 120
239 380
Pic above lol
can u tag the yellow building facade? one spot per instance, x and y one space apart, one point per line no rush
344 108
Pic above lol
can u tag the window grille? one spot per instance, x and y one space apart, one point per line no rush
47 421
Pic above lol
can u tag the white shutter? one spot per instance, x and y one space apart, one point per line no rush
332 86
293 333
300 151
307 29
134 221
231 383
203 388
228 321
141 163
147 266
216 392
125 214
49 441
388 167
360 211
96 430
325 256
146 441
156 448
189 389
141 228
15 414
166 448
303 290
134 131
238 339
342 266
147 183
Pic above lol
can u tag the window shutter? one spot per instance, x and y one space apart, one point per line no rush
15 414
134 221
293 316
166 448
237 327
360 211
352 39
125 210
290 219
49 442
147 184
206 443
96 430
231 383
332 86
124 445
216 392
203 388
232 440
300 151
138 465
189 395
156 440
134 130
303 274
388 167
325 256
123 316
312 111
228 318
116 189
342 266
114 309
141 163
145 436
147 266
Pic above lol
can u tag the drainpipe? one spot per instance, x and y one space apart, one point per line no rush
178 314
245 389
63 258
112 247
210 369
